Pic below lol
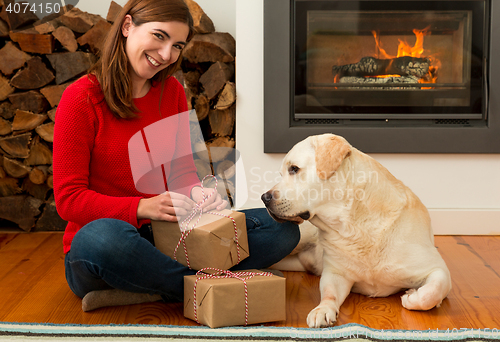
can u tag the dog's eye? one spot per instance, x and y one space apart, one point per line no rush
293 169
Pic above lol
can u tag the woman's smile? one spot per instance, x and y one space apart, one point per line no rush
152 47
153 61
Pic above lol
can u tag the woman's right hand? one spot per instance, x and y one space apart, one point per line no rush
169 206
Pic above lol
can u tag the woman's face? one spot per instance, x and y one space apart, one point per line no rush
153 46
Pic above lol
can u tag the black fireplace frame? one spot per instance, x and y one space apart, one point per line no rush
282 131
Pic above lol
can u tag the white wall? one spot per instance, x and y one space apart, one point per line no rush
461 191
222 12
97 6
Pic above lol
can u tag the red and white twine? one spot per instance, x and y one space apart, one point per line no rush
221 274
198 210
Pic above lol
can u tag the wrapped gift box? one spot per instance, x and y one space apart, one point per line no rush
212 243
221 301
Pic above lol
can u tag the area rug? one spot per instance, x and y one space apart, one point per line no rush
150 333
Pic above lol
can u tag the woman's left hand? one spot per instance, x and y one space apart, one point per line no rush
213 201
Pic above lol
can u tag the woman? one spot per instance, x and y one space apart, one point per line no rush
110 258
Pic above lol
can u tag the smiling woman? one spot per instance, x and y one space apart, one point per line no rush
143 31
151 47
108 241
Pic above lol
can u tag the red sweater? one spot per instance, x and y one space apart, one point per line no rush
92 169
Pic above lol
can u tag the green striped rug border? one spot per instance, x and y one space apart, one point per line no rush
343 332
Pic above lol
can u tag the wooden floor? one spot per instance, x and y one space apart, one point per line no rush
33 289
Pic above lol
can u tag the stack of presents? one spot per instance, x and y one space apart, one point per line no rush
211 244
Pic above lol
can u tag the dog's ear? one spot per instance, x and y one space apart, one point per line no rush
330 151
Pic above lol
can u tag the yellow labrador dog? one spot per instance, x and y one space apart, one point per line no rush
370 234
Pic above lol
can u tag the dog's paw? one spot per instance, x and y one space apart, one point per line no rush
322 316
407 300
420 299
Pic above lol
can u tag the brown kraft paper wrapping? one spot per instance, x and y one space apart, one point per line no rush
211 243
221 302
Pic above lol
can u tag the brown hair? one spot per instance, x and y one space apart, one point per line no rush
112 68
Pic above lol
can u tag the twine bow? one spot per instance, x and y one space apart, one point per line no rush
198 211
221 274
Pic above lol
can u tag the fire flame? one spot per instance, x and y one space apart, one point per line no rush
417 50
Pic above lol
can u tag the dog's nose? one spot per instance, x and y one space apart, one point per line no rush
266 197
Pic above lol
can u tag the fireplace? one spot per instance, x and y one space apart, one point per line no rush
390 76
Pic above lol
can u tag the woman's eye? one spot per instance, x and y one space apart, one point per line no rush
158 35
293 169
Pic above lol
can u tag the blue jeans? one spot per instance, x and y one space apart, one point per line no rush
110 253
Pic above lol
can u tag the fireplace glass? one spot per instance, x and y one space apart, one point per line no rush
386 60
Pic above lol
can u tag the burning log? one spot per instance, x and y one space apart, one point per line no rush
390 81
370 66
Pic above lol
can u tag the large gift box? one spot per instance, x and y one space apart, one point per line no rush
228 298
216 239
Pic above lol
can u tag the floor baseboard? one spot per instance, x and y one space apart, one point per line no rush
465 221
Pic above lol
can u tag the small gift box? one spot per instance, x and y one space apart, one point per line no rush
226 298
215 239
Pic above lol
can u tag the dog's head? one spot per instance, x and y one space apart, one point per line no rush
306 182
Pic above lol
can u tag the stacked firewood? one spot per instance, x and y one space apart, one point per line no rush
40 58
208 75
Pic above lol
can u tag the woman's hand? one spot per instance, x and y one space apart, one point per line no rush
169 206
214 201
